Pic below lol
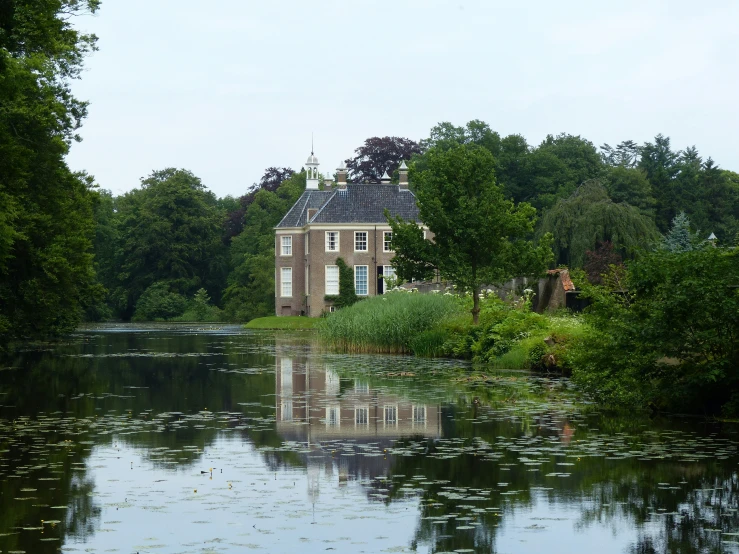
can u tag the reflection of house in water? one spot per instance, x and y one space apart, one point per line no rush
316 407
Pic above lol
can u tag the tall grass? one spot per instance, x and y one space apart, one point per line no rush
394 323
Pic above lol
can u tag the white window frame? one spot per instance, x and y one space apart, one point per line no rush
393 408
326 283
366 241
386 242
366 283
333 415
364 410
419 415
385 269
283 282
336 244
286 245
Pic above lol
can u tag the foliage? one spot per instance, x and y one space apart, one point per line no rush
271 180
291 322
379 155
200 309
170 230
251 281
589 216
599 261
672 340
347 295
159 302
680 238
387 323
46 225
479 237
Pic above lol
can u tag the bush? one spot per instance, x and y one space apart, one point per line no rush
200 309
158 303
671 340
389 323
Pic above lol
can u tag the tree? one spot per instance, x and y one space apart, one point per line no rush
557 167
680 238
170 231
46 225
251 281
445 135
379 155
671 339
630 186
271 180
589 216
479 236
600 261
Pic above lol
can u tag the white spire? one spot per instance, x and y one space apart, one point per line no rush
311 169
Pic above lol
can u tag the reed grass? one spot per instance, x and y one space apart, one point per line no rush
395 323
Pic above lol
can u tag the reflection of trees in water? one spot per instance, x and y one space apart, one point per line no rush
100 382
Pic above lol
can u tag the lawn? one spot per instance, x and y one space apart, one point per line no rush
282 322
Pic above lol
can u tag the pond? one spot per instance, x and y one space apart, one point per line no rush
212 439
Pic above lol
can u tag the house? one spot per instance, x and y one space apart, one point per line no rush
342 220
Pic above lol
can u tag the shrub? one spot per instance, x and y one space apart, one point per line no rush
389 323
158 302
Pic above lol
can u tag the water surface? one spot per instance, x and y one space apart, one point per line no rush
181 439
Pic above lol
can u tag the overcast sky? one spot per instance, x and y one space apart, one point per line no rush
227 88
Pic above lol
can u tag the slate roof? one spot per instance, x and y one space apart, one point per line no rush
358 203
366 203
297 216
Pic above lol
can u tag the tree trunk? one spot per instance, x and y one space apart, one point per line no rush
475 305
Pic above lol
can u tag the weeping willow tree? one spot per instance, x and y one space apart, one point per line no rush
589 217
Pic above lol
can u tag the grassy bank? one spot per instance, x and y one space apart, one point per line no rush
282 322
509 335
394 323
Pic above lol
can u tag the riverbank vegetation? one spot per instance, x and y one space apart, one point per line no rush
509 335
661 333
287 323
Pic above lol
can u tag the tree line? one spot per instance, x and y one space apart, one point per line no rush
70 250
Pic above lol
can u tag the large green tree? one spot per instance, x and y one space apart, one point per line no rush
170 230
251 281
479 236
589 217
46 225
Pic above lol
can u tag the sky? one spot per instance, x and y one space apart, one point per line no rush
227 88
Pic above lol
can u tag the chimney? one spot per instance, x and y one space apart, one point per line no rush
341 176
328 183
385 179
403 176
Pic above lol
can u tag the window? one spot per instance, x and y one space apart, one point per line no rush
332 241
390 415
388 274
333 416
387 240
332 279
360 280
360 241
419 415
286 274
361 415
287 246
361 387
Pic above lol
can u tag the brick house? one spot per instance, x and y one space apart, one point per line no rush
343 220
